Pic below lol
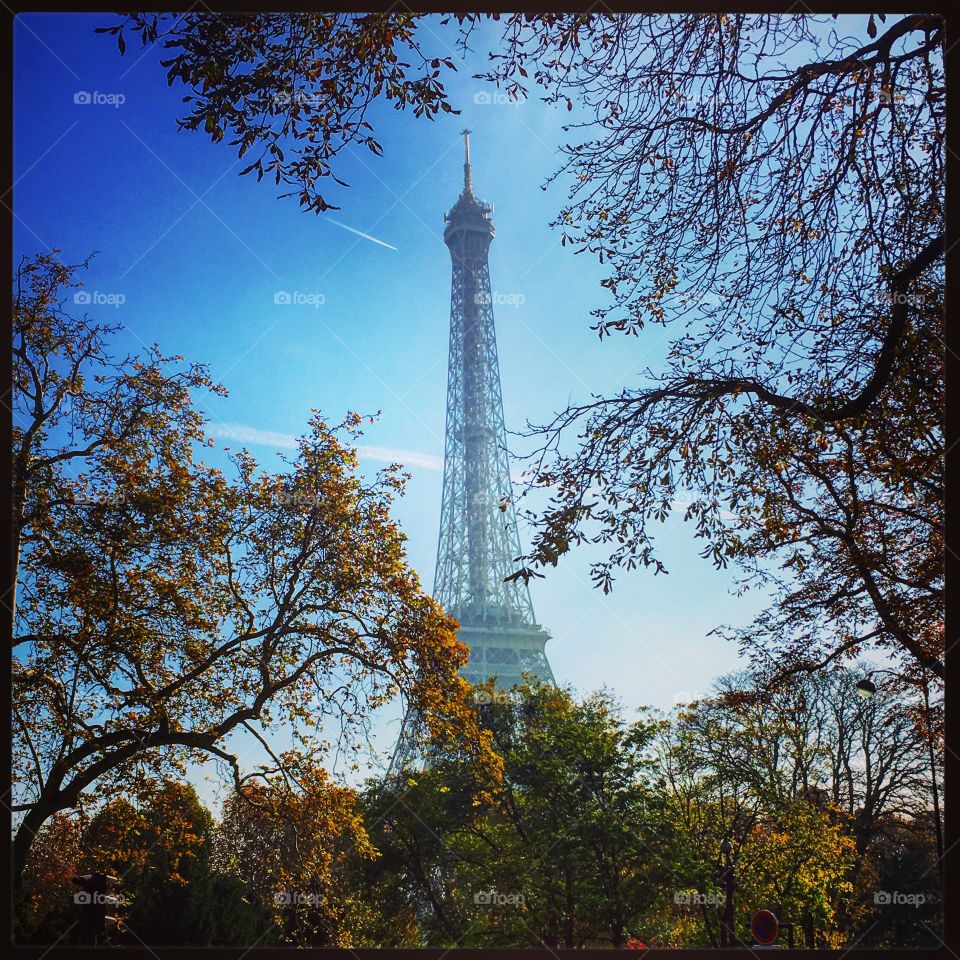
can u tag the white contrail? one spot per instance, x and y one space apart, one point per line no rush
359 233
254 435
285 441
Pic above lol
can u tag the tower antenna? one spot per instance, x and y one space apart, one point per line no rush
467 170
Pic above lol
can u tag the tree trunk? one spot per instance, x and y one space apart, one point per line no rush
36 816
938 824
708 926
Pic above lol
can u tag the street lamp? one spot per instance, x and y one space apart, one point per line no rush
93 900
866 689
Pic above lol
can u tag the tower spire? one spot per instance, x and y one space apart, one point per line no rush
467 170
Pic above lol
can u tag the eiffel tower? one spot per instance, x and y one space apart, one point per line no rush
479 542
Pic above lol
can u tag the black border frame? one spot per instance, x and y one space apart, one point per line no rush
951 866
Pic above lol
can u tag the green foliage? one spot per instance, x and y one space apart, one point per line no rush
602 831
570 851
161 850
163 604
606 831
162 853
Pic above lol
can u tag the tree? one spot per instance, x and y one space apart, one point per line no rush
817 738
900 865
581 803
162 849
765 187
771 193
803 784
570 852
293 89
606 833
44 908
798 861
165 606
289 837
423 825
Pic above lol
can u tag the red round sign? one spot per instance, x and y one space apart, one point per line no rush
764 927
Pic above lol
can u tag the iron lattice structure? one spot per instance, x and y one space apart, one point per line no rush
479 541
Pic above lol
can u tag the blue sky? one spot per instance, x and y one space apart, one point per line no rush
197 255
